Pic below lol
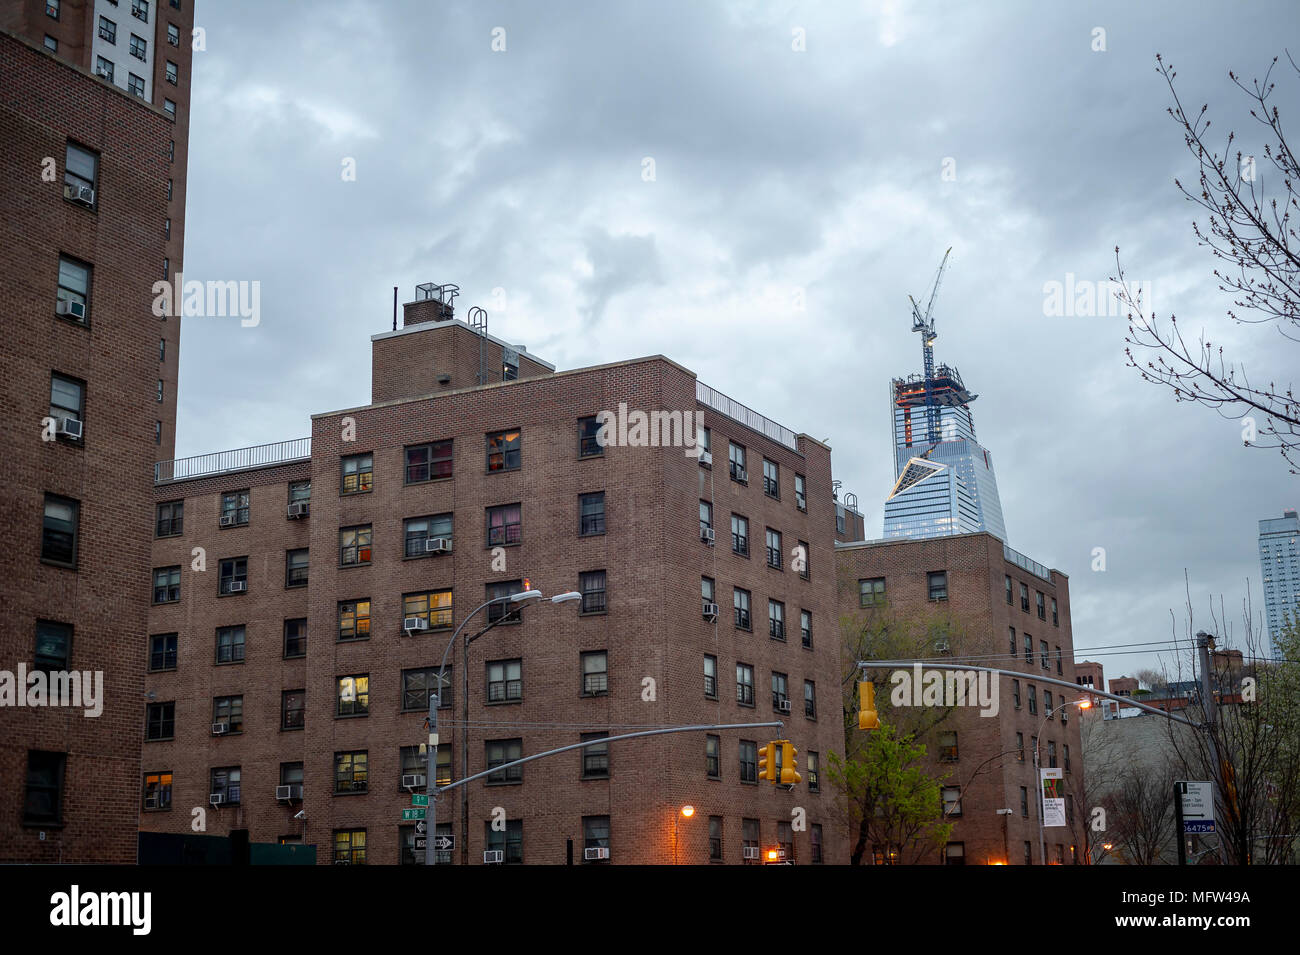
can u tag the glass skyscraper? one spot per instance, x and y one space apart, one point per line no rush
1280 565
946 486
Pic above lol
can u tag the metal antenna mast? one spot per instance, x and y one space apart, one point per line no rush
925 325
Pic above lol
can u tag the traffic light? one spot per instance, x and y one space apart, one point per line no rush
767 762
789 768
867 718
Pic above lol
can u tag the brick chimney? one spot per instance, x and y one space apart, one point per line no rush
433 303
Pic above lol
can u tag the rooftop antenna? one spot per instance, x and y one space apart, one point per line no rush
478 318
925 325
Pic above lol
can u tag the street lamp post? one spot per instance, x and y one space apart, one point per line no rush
1038 780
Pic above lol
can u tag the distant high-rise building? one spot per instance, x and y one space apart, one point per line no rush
944 486
1279 564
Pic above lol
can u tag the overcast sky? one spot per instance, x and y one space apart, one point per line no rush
798 197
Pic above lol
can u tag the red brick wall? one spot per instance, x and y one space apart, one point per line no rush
409 364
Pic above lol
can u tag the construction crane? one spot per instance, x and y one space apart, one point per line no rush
925 325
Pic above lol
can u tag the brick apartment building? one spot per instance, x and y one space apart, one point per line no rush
286 660
1007 611
92 187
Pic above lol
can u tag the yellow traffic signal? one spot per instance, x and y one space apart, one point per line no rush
867 718
789 768
767 762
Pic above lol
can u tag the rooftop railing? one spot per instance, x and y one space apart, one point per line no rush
1025 563
746 416
240 459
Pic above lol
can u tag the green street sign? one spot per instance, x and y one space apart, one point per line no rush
409 814
419 800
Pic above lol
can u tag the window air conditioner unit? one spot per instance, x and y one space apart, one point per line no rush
227 520
151 801
707 458
69 428
342 861
299 509
238 586
710 612
415 623
216 799
105 72
941 646
751 852
70 308
285 793
85 195
741 475
493 857
785 706
437 545
413 781
358 785
592 855
706 535
220 729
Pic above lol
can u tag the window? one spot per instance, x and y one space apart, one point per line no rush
166 585
234 508
509 841
53 645
158 791
353 694
230 711
295 638
162 652
291 774
349 847
505 682
785 840
737 455
295 568
1029 648
169 519
710 677
357 474
1015 692
744 684
715 838
1033 700
595 673
740 600
748 761
705 438
954 853
589 445
780 693
1051 754
354 619
104 68
1065 753
815 841
706 592
1042 647
135 84
595 759
706 517
169 108
1020 747
749 840
233 576
871 593
503 451
591 514
428 462
351 772
803 560
60 530
67 399
1012 636
160 721
810 699
813 769
592 587
595 833
354 546
139 48
140 10
800 494
1056 620
771 479
505 525
506 612
417 684
52 8
1047 703
80 169
433 606
414 762
776 620
1059 671
293 709
1042 608
230 644
300 492
418 531
51 44
173 34
739 535
952 800
948 747
938 584
773 548
501 751
1029 859
173 74
74 287
44 797
805 629
1008 578
1024 598
713 756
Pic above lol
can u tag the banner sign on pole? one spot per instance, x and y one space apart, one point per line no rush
1053 797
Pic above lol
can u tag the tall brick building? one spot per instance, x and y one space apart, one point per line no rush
292 649
92 188
1006 611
